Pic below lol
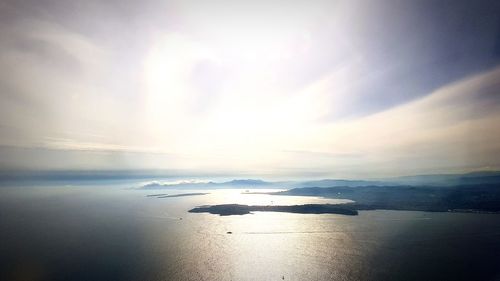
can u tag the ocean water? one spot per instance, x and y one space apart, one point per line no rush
114 232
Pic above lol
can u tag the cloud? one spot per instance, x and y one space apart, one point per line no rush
454 127
330 87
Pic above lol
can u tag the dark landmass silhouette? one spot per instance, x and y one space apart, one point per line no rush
463 198
236 209
156 195
182 195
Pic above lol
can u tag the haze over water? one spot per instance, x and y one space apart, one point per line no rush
113 232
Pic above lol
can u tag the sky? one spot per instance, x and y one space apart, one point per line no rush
300 88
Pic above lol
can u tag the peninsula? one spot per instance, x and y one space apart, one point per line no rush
237 209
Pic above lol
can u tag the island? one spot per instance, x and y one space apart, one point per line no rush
156 195
182 195
165 195
237 209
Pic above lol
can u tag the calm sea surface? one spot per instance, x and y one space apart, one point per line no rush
113 232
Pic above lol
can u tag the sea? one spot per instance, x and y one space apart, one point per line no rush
117 231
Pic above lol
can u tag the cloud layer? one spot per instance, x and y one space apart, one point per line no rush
334 88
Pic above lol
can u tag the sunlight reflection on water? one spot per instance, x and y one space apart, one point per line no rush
253 197
135 237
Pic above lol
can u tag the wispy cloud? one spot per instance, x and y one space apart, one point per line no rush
329 87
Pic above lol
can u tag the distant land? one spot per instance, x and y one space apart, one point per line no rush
444 180
477 192
238 183
462 198
182 195
164 195
163 179
480 177
156 195
236 209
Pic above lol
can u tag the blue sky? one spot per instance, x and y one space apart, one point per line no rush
340 88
